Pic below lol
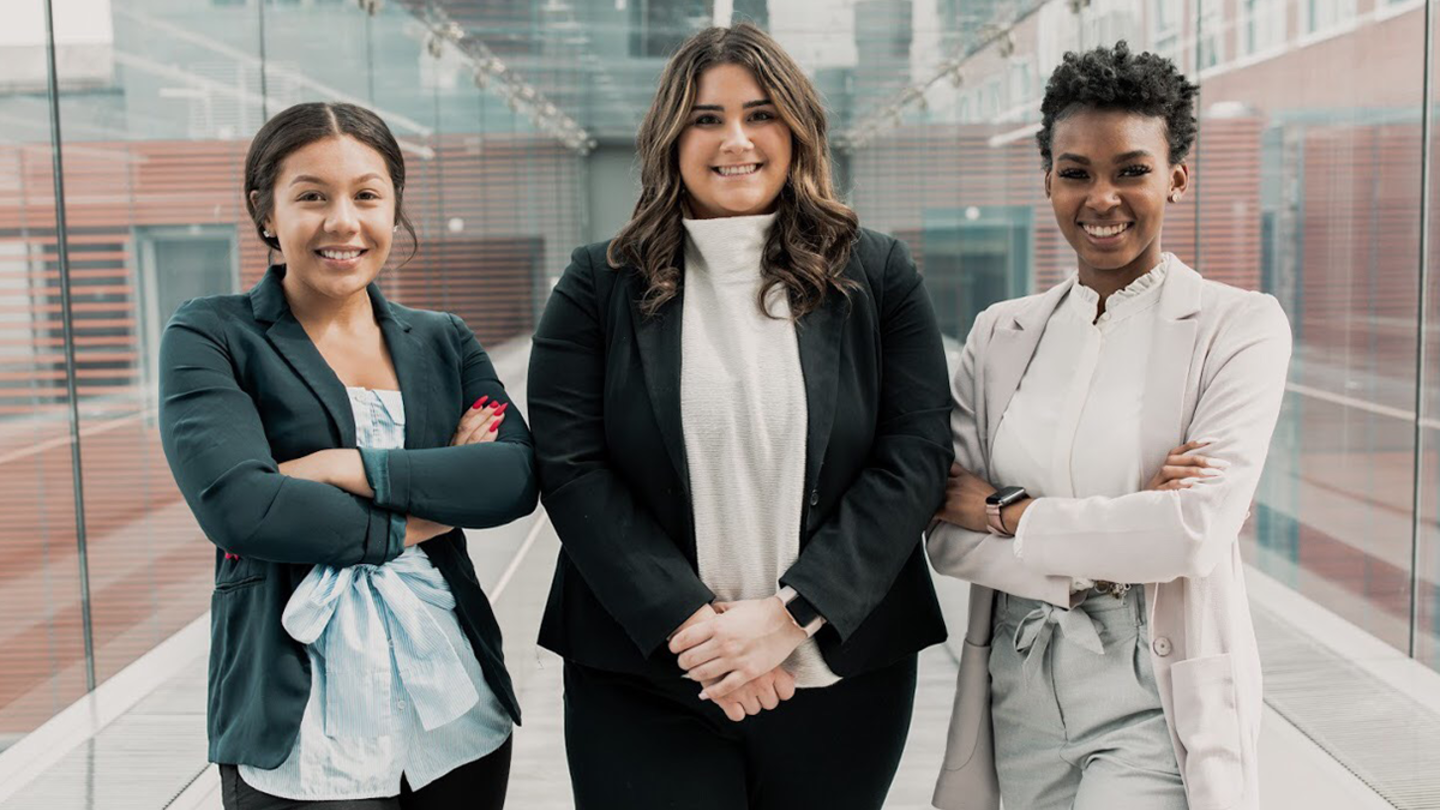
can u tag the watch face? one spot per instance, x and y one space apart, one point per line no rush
1005 496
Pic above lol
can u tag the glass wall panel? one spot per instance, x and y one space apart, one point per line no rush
41 642
158 100
1311 164
1427 592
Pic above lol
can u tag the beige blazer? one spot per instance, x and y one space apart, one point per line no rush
1217 371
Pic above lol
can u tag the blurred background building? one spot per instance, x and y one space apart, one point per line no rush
120 176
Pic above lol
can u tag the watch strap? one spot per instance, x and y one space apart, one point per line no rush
995 520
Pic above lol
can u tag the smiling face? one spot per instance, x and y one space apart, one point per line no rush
1109 186
334 216
735 149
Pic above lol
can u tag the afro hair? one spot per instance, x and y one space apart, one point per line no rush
1116 79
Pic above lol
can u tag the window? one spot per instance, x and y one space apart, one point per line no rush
1319 16
1165 26
1262 26
1212 36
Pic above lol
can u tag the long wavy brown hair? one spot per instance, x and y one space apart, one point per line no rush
813 233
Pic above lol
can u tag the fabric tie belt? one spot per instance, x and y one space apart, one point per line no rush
360 618
1034 632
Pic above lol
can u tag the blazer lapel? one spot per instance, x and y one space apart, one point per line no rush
657 338
1168 370
1008 355
819 336
267 300
412 368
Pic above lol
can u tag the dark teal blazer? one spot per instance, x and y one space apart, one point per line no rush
243 389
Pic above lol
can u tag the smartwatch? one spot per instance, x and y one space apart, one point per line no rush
996 501
801 611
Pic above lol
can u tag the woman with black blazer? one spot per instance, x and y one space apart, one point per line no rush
332 445
741 417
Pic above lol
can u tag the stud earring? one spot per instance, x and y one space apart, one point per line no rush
267 234
1174 196
395 229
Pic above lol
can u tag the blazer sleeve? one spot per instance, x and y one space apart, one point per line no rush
981 557
474 486
852 560
1160 536
220 457
633 566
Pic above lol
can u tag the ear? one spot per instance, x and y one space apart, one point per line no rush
254 200
1047 183
1179 180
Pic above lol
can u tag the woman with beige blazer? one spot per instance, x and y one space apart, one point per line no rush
1109 659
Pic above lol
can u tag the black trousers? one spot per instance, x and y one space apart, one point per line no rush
640 744
478 785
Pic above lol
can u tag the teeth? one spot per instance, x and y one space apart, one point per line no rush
731 171
1109 230
341 255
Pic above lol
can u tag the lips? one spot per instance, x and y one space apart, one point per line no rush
737 170
341 255
1106 230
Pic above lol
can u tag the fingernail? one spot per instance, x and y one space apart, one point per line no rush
478 403
704 696
1204 441
1209 473
494 426
1218 463
502 408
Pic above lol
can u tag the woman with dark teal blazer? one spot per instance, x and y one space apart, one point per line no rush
333 445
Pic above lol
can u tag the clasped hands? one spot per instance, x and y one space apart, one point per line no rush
734 651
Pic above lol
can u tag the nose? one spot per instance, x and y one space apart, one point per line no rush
737 140
1103 197
342 218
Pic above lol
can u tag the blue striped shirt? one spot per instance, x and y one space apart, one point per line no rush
395 687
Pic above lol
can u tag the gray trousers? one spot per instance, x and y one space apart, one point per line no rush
1077 716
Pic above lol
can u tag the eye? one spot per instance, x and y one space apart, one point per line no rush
763 115
1138 170
1072 174
707 118
310 196
367 195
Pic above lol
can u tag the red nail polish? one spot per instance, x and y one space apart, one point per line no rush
230 556
478 403
501 409
494 426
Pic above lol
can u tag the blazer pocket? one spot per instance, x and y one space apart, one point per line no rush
1208 724
238 573
970 719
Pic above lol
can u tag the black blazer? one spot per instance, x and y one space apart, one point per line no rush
604 395
242 389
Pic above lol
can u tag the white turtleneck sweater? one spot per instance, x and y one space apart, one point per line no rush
744 416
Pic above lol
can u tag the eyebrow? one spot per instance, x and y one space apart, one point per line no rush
305 178
718 108
1084 161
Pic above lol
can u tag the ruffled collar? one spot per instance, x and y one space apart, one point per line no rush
1137 296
